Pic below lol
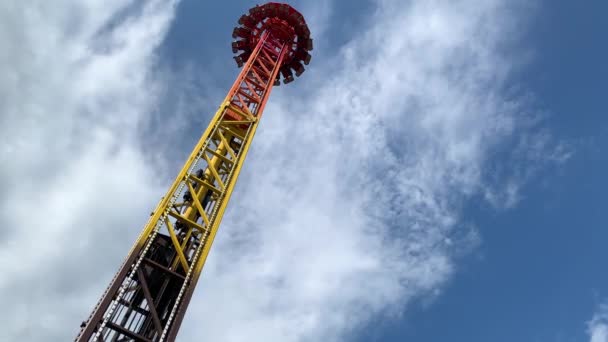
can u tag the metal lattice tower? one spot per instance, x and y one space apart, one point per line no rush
148 297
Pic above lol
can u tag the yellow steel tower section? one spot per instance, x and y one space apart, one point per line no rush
148 297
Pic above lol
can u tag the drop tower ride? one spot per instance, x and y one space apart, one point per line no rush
148 297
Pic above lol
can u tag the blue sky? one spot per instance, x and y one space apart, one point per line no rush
436 173
538 272
536 275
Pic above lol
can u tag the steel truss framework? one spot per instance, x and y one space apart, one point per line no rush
148 296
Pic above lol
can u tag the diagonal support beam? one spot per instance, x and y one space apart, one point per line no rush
214 172
219 155
198 204
177 246
151 306
187 222
226 144
206 184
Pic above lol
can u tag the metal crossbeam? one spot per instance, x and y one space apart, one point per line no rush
147 298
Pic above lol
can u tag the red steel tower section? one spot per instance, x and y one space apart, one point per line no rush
148 297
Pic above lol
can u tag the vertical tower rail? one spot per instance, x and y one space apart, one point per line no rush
148 296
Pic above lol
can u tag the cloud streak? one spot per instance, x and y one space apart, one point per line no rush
597 328
78 80
350 205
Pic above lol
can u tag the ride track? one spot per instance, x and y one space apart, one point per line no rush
148 297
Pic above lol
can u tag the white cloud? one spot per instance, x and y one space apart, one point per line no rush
597 328
350 202
349 205
77 82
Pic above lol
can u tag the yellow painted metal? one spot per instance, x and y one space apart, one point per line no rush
197 204
222 153
205 184
225 142
177 245
228 192
191 219
163 207
214 172
240 112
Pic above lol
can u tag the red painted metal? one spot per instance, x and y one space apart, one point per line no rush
285 23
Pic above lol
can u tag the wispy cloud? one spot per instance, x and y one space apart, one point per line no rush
77 82
351 199
350 202
597 328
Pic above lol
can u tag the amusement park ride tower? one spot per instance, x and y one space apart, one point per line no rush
148 297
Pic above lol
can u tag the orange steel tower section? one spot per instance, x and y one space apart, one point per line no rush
148 297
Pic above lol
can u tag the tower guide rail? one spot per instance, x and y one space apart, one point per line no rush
148 296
